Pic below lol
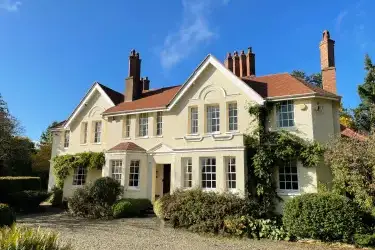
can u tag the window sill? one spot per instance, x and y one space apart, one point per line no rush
233 132
158 136
66 148
213 133
96 143
133 189
142 137
287 128
288 192
83 144
126 138
196 134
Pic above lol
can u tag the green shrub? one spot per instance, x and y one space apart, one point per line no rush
7 217
205 211
106 190
16 238
123 209
254 228
96 200
56 198
13 184
364 240
129 207
27 201
325 216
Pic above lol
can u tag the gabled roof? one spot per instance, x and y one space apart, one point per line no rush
127 146
109 94
284 85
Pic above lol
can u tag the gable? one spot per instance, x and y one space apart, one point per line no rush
94 103
160 148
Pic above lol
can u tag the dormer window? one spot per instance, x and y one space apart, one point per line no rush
285 114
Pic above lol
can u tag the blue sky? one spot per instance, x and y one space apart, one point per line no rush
52 51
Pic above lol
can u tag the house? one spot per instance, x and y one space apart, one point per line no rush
192 135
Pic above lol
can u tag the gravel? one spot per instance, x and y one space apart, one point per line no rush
143 233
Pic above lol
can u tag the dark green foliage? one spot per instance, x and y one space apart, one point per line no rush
27 201
325 216
131 207
12 184
7 217
205 211
96 200
246 226
364 240
56 197
105 190
314 79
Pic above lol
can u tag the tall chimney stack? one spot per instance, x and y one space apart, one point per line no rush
250 62
134 87
327 62
236 64
243 66
228 62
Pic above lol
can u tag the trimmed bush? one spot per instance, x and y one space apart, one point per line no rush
129 207
325 216
7 217
158 208
96 200
205 211
26 238
56 198
364 240
123 209
27 201
13 184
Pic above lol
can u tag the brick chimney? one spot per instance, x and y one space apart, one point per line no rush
327 62
242 65
145 83
134 86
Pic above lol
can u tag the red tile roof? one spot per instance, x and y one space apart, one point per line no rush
152 99
127 146
283 84
348 132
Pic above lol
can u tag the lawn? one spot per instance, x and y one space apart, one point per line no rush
143 233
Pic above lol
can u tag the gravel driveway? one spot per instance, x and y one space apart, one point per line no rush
142 233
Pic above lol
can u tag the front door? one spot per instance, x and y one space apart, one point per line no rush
166 178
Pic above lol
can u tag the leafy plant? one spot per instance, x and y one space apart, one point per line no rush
364 240
17 238
123 209
64 164
158 208
7 217
205 211
95 200
325 216
56 197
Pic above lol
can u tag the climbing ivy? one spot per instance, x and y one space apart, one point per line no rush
64 164
268 149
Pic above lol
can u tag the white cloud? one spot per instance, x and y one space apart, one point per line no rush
339 19
194 31
9 5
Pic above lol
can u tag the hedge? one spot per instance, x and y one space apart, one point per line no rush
13 184
7 217
27 201
129 207
324 216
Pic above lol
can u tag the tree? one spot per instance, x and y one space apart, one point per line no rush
46 137
9 127
314 79
19 159
364 114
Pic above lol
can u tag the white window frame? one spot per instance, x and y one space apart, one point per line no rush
213 118
159 123
188 172
232 116
231 176
66 138
79 176
116 170
285 108
194 120
127 126
134 174
143 125
208 173
288 165
97 132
